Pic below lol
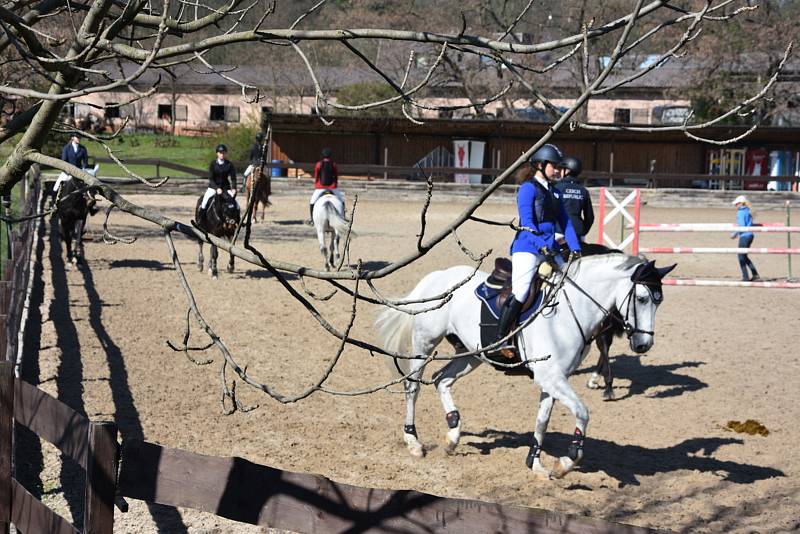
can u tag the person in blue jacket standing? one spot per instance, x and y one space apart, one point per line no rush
744 218
541 208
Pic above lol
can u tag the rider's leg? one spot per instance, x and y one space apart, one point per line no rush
340 196
209 194
523 267
314 196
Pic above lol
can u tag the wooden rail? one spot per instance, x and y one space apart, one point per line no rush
257 494
371 170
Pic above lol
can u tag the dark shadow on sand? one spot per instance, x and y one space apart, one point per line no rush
627 462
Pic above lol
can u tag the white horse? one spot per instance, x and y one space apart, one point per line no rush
328 219
552 346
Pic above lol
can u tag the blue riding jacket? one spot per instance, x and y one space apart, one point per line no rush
744 218
540 209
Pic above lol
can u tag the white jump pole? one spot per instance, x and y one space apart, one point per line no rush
701 227
787 228
709 250
731 283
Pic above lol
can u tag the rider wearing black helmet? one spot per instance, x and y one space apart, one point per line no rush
221 177
540 208
576 198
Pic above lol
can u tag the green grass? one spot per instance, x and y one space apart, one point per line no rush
195 152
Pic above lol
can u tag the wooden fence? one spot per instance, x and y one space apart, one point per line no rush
370 171
228 487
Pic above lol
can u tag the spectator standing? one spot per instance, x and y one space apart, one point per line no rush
744 218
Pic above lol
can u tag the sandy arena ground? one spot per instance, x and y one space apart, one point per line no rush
659 456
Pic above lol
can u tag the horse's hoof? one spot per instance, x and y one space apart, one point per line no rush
416 451
562 467
200 267
593 382
608 394
540 471
452 439
415 448
229 269
74 260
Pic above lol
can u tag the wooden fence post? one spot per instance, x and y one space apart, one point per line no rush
101 478
6 428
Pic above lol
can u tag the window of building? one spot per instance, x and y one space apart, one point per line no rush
224 113
165 112
216 113
622 116
112 110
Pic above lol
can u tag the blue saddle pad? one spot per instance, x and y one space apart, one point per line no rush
488 295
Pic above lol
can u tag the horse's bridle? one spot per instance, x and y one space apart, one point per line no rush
630 329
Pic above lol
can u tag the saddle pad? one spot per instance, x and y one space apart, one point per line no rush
488 295
488 336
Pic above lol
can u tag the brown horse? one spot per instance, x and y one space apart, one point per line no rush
258 184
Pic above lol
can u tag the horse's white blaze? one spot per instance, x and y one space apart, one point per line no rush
559 334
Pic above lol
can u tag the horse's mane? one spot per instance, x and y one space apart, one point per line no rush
625 261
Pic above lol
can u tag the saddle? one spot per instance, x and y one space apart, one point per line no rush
493 294
497 288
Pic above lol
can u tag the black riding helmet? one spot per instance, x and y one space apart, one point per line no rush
259 137
547 154
572 165
327 153
221 148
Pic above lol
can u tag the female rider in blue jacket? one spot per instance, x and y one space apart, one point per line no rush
540 207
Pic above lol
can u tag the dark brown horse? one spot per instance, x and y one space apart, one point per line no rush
221 219
74 206
260 185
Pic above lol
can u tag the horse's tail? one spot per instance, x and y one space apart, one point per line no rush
394 330
337 221
395 327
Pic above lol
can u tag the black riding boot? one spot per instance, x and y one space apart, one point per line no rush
310 215
508 319
201 217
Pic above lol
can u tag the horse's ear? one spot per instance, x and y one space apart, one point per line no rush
664 271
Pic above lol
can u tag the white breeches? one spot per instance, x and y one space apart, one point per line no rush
210 192
319 192
63 177
523 267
